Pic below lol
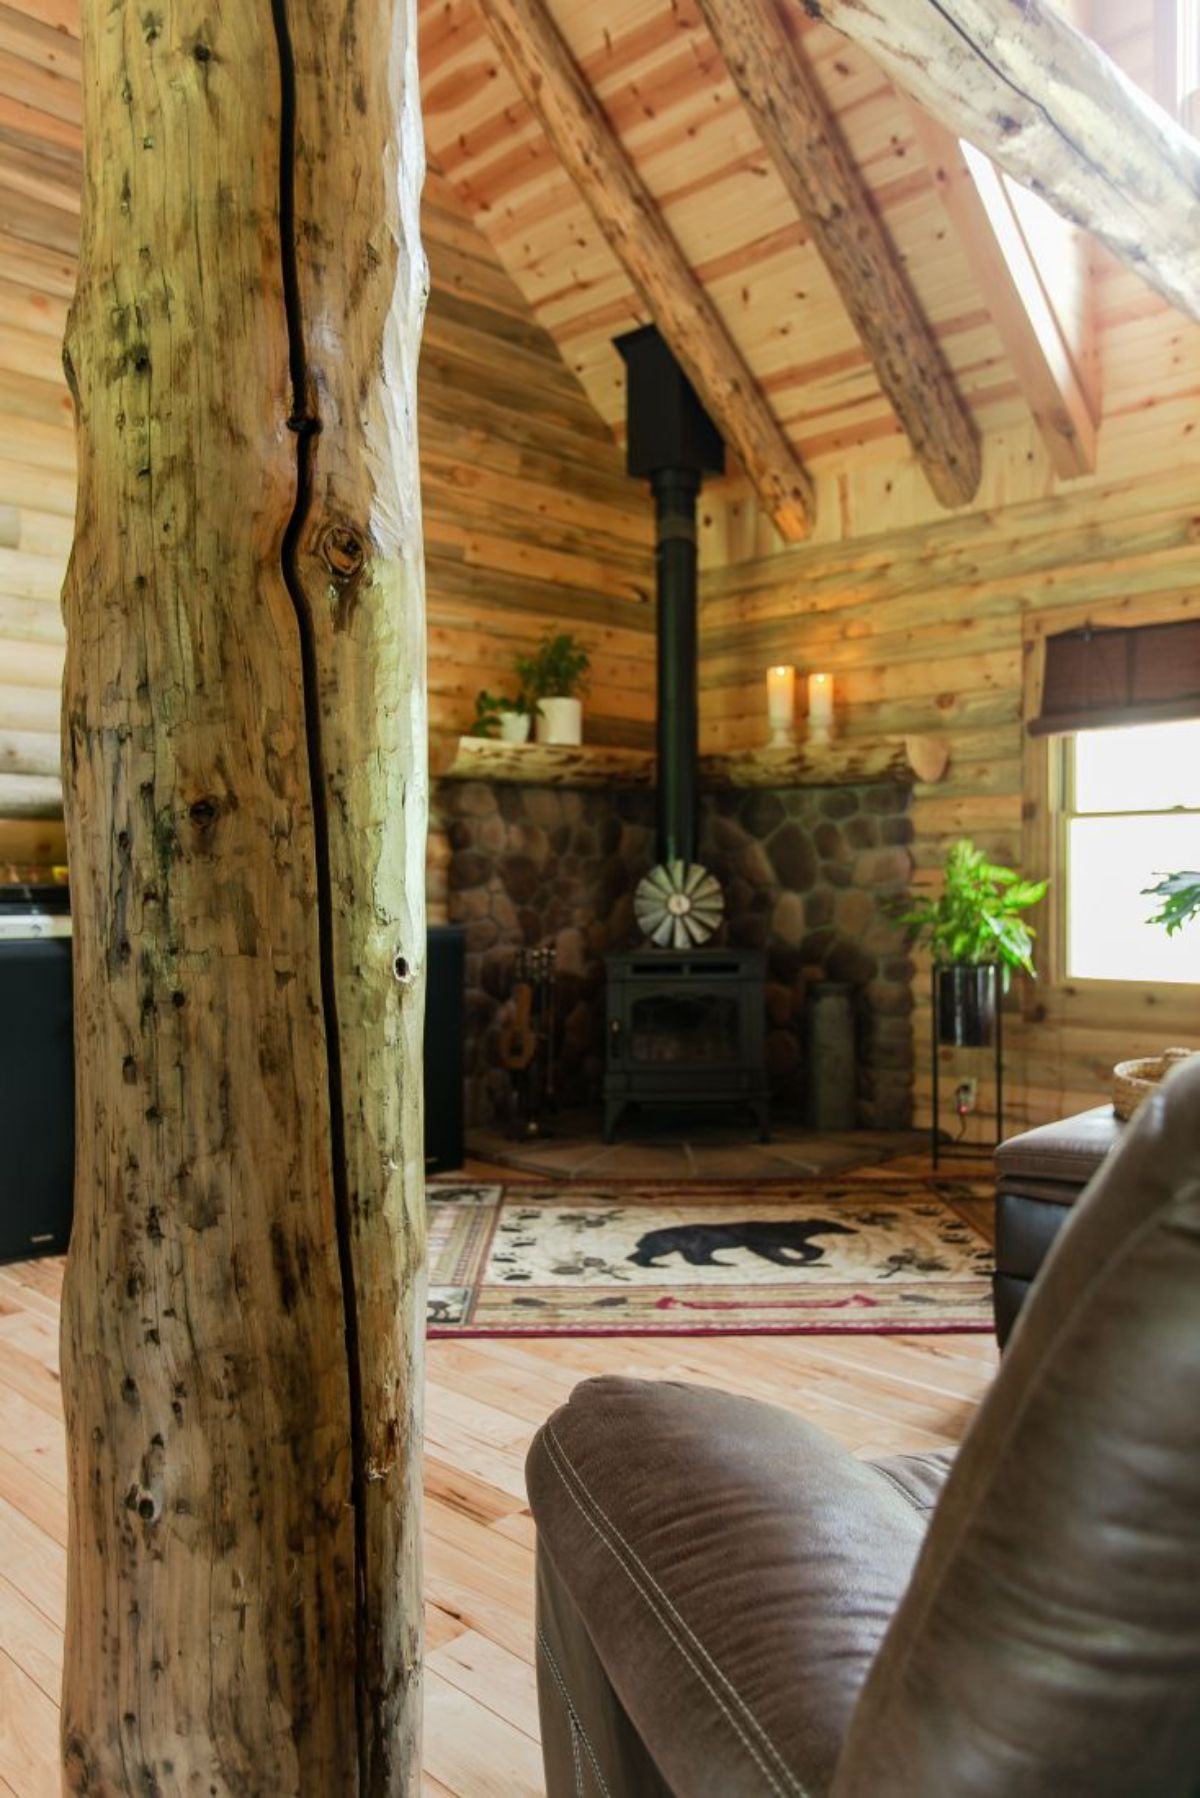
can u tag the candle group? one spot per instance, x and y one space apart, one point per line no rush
781 706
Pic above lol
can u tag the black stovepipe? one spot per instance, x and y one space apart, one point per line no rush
675 494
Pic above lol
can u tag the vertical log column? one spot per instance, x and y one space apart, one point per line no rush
244 738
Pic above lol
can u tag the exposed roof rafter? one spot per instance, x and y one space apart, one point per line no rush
543 68
1018 81
805 143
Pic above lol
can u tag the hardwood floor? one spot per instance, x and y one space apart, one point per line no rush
484 1401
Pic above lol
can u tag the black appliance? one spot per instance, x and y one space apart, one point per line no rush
444 998
685 1029
37 1073
685 1021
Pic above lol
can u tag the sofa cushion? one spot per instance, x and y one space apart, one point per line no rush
735 1569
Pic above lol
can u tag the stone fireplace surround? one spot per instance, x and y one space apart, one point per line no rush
806 873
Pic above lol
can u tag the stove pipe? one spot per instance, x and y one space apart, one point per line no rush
673 443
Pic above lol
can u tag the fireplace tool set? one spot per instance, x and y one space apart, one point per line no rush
527 1039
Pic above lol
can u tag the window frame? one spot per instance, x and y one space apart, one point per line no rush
1177 60
1066 809
1054 997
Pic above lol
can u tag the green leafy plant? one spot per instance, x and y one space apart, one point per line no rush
557 669
490 708
1180 895
977 916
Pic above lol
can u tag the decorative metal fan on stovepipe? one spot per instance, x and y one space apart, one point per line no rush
679 905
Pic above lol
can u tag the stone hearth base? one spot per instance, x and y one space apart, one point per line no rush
714 1151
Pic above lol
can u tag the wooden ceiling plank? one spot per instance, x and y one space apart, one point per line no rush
1051 109
632 224
976 199
801 134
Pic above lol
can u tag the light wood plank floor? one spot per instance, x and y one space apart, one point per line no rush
485 1399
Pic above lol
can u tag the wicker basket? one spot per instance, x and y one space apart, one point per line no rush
1134 1081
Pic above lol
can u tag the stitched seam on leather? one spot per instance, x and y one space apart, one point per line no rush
886 1474
578 1732
660 1611
656 1611
573 1727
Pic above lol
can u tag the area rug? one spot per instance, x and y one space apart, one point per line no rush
819 1257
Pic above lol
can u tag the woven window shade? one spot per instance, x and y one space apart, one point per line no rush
1097 679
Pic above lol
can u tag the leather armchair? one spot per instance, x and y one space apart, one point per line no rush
730 1604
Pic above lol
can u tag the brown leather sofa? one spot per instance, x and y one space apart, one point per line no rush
730 1604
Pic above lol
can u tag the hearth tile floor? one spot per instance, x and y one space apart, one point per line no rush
668 1149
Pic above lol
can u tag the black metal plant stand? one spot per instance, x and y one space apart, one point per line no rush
949 1150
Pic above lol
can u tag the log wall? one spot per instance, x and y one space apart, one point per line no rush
926 622
530 519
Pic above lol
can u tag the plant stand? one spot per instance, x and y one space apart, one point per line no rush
939 1149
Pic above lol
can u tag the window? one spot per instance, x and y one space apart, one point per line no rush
1129 812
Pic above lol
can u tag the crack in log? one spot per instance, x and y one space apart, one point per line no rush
306 424
820 11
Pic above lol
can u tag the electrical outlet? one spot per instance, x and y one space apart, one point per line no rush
966 1097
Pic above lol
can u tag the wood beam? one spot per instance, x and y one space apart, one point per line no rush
805 142
1018 81
629 218
244 743
988 230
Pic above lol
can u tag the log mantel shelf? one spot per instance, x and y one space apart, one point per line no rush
902 759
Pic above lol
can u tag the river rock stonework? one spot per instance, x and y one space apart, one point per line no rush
807 876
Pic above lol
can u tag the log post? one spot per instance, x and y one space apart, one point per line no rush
245 789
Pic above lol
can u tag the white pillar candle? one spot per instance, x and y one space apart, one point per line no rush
781 705
820 706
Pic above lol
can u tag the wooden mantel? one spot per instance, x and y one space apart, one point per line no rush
546 765
905 760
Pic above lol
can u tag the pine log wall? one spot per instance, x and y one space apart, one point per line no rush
924 618
530 520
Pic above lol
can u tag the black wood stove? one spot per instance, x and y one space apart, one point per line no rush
685 1029
685 1016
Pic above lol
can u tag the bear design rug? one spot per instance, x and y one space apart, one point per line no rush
677 1260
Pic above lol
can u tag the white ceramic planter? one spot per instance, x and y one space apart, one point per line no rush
560 721
514 727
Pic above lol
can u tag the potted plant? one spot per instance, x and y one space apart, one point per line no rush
498 715
553 677
977 936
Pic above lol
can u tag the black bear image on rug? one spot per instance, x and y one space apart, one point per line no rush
782 1240
674 1259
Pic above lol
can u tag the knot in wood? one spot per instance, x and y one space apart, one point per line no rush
342 550
146 1502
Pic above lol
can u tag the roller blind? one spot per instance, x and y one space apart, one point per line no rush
1097 679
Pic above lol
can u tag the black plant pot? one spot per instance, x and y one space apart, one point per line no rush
966 1004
